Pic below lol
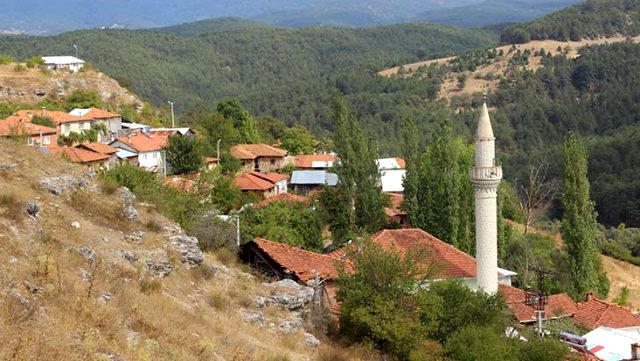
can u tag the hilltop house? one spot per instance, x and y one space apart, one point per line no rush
146 147
265 185
111 121
69 63
314 161
65 122
261 158
34 134
92 160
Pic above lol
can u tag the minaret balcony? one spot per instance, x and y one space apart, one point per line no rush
483 174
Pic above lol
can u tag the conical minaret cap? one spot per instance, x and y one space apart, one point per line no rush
484 124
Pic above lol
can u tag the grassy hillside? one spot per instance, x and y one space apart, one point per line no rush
287 73
590 19
493 12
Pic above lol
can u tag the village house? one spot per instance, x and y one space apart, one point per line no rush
261 158
264 185
314 161
169 132
68 63
392 172
104 149
395 213
112 121
92 160
33 134
147 149
211 162
308 181
65 122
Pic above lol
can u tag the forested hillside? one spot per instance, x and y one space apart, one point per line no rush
590 19
290 74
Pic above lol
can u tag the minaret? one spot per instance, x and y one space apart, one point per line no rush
486 176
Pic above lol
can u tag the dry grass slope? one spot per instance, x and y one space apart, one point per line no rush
55 304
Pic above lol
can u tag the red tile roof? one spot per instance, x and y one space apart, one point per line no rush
56 116
306 160
396 204
96 113
282 197
594 313
304 264
560 305
253 151
254 181
143 142
449 261
14 126
98 148
78 155
401 163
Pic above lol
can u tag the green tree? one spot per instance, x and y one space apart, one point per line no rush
80 98
35 61
184 154
298 140
579 221
480 343
45 121
444 195
411 154
222 193
360 197
242 121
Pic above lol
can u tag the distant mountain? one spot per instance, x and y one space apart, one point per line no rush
590 19
491 12
36 16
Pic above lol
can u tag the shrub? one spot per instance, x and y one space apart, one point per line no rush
18 68
149 285
5 59
35 61
45 121
12 207
214 233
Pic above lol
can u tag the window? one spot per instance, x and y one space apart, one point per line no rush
30 141
46 140
66 127
273 162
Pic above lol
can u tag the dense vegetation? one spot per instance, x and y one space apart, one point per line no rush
285 73
590 19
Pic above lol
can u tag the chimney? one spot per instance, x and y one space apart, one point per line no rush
635 351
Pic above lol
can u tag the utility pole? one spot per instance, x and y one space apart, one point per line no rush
538 299
173 119
76 47
218 149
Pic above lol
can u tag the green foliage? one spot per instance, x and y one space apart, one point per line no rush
579 221
35 61
80 98
298 140
229 164
243 122
444 195
184 154
223 194
479 343
5 59
622 243
358 196
44 121
90 135
411 155
179 206
213 233
290 223
590 19
623 298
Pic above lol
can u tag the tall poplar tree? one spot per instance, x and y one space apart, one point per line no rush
356 200
411 153
579 223
444 194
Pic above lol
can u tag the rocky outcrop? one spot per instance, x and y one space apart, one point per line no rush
128 198
62 184
188 248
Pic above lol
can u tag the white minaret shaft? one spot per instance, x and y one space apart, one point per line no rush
486 176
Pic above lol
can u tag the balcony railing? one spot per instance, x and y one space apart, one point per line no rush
486 173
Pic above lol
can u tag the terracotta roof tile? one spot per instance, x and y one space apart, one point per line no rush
307 160
396 204
96 113
304 264
560 305
253 151
253 182
401 163
143 142
14 126
594 313
56 116
282 197
78 155
99 148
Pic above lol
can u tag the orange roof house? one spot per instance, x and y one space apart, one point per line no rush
259 157
594 313
142 142
395 212
35 134
96 113
559 306
82 156
314 161
99 148
265 184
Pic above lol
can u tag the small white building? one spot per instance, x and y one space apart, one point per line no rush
148 148
70 63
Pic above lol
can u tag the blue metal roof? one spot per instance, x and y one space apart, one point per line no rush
314 177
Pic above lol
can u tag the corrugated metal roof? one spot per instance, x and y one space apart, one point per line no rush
611 344
314 177
62 60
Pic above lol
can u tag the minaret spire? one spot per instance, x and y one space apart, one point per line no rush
486 176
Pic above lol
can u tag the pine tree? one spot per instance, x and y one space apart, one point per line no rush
579 221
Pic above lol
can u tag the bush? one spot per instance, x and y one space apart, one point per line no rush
184 154
35 61
5 59
44 121
214 233
11 206
480 343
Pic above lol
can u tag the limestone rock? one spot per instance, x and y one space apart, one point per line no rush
135 237
253 317
62 184
290 326
128 199
32 208
188 249
87 253
75 225
158 264
311 340
291 295
35 289
129 256
8 166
